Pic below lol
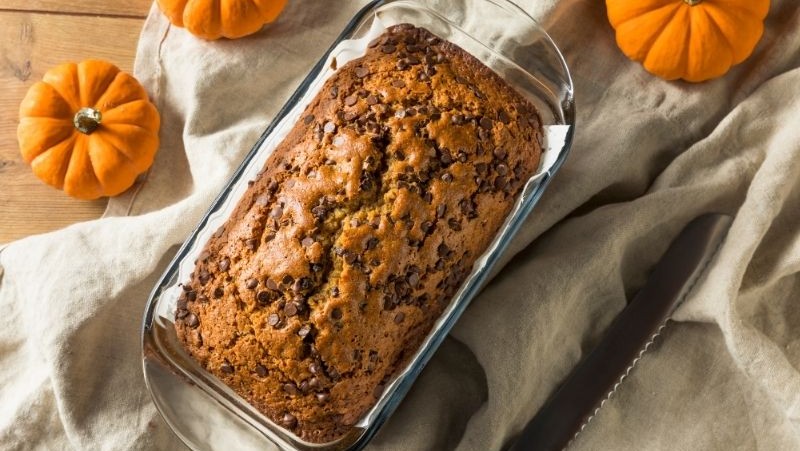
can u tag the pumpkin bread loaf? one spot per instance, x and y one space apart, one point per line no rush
363 223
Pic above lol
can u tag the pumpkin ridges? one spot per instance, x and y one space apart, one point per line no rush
662 59
621 11
113 169
707 57
123 89
746 32
80 180
42 100
51 165
94 78
239 18
173 9
63 79
636 36
139 145
201 18
37 134
140 113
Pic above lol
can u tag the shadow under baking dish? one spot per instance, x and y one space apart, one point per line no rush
203 411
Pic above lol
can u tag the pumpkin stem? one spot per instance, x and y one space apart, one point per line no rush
86 120
693 2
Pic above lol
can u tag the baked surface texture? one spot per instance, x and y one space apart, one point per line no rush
363 223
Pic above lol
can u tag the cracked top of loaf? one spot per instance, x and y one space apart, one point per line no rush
364 222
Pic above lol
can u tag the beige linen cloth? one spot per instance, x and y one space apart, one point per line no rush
649 155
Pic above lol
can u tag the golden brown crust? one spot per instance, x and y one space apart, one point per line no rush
364 222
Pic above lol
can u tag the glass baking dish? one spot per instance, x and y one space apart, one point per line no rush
204 412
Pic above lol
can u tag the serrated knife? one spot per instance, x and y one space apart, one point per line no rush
592 382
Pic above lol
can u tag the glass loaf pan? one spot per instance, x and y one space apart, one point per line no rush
203 411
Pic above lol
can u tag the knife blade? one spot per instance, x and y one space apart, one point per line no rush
598 375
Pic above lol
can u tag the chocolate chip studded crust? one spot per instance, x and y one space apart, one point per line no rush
365 220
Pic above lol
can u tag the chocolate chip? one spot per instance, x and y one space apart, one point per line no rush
447 177
261 370
269 237
399 317
336 313
218 292
334 92
501 169
276 212
398 83
361 71
374 43
308 119
307 241
192 321
372 100
287 279
457 119
500 182
481 168
289 421
413 60
401 288
304 330
329 127
323 397
503 117
443 250
499 153
335 292
314 368
226 368
413 279
251 284
388 48
401 65
262 296
273 319
349 257
272 285
251 243
454 224
190 296
486 123
314 384
372 243
181 313
290 309
441 210
350 100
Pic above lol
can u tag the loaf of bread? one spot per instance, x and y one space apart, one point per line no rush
362 225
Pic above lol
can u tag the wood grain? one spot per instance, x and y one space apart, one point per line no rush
130 8
30 44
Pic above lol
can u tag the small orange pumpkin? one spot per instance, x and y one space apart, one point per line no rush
213 19
695 40
88 129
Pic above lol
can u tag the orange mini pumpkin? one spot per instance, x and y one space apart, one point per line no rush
213 19
88 129
695 40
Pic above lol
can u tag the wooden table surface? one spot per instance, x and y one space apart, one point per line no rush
36 35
